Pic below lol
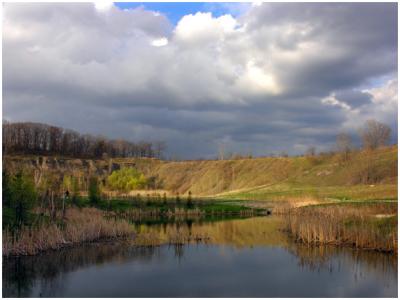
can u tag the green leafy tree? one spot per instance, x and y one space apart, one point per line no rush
23 198
75 192
94 191
67 182
126 179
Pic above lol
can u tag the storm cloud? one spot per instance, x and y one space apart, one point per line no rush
277 77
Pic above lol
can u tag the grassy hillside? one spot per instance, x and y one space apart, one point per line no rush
365 175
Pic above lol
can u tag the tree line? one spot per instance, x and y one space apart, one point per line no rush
373 135
43 139
26 204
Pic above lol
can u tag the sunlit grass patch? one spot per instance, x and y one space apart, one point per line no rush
288 192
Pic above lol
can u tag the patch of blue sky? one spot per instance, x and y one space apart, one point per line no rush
377 81
381 80
174 11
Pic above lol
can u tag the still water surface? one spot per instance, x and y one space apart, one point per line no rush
241 258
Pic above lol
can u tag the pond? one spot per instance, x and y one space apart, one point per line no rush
232 258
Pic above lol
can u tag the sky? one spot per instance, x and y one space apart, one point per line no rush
175 11
256 78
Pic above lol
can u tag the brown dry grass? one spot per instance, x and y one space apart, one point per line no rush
207 177
351 225
84 225
284 206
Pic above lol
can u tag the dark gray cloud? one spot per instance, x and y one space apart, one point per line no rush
354 98
277 77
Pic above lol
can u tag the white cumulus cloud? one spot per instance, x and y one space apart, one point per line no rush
160 42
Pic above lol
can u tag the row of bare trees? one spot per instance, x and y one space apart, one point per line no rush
43 139
373 135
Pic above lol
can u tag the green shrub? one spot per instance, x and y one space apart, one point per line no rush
94 191
19 197
126 179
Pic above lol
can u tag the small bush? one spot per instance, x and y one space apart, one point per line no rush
126 179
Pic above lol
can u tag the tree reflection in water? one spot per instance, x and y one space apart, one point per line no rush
47 272
316 258
20 273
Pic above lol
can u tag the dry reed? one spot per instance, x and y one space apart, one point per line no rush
283 206
351 225
84 225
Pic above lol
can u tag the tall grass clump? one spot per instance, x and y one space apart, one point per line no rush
365 226
85 225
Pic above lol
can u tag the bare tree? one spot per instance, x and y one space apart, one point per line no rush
311 151
221 151
344 145
374 134
283 154
42 139
159 148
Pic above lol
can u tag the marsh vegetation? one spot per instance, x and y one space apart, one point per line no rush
79 225
371 226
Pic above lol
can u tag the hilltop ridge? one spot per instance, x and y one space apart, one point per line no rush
214 177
